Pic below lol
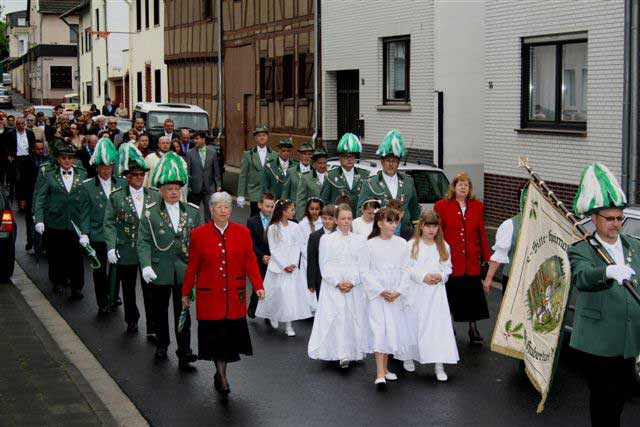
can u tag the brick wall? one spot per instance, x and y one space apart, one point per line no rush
502 196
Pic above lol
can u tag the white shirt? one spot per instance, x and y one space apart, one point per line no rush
223 229
348 176
284 165
615 250
106 186
501 249
138 199
304 168
321 177
22 147
262 153
326 230
67 178
392 183
174 214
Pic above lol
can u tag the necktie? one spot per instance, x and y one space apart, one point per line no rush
66 172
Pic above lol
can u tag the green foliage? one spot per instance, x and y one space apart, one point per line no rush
513 332
4 41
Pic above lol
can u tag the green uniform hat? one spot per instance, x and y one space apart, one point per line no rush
104 154
349 144
598 190
129 157
285 143
392 145
261 129
60 148
170 170
318 153
305 146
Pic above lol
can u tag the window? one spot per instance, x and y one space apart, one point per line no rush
87 39
554 77
73 33
146 14
60 77
207 9
305 76
156 12
266 79
21 47
139 85
22 22
395 69
138 15
285 77
99 81
89 98
97 19
158 85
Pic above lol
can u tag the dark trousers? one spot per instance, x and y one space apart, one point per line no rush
253 300
102 278
161 296
609 381
127 275
255 210
28 219
66 260
196 199
505 280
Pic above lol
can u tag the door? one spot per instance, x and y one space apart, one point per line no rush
117 88
348 83
239 90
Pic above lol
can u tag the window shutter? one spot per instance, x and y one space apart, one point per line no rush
308 76
268 72
279 79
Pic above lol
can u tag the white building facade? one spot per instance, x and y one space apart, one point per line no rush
407 66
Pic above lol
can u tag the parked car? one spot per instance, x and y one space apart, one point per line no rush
71 102
431 182
184 116
6 101
46 109
124 124
7 238
6 79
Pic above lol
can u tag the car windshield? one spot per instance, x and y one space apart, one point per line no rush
631 227
192 121
47 111
124 125
430 185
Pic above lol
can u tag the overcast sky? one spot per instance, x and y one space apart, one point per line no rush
13 5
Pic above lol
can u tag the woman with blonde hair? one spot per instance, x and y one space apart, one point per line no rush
462 223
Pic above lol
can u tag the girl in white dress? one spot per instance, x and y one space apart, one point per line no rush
308 224
340 330
385 282
288 296
364 223
429 268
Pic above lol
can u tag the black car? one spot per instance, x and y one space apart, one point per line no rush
7 239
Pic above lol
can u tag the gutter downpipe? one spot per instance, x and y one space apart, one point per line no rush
219 116
41 60
314 137
630 102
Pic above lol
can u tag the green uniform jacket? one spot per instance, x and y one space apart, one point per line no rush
376 188
52 204
251 171
90 206
607 319
308 187
335 184
121 223
274 177
160 247
290 191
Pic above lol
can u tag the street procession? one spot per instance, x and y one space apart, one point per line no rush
267 229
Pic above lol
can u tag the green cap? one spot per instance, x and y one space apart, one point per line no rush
318 153
104 154
261 129
349 144
129 157
60 148
285 143
392 145
305 146
170 170
598 190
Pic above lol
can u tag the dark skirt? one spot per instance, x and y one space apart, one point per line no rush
223 339
467 300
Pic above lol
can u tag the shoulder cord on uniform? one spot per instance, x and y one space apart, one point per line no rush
153 235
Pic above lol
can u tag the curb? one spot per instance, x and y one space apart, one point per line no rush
114 399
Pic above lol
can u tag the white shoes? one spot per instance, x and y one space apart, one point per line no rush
441 375
409 366
288 329
380 382
274 323
344 363
390 376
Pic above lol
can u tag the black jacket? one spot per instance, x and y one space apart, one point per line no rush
314 278
10 141
107 113
260 244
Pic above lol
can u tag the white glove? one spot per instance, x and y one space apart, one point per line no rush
40 227
84 240
619 273
113 257
240 201
149 275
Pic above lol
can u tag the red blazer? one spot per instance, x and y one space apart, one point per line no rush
218 267
465 235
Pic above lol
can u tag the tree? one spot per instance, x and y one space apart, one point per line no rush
4 41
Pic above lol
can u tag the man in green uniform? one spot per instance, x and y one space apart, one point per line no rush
294 175
276 171
347 179
252 168
388 184
311 182
121 222
606 326
90 204
163 251
53 202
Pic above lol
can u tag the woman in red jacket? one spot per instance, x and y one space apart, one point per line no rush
462 217
220 259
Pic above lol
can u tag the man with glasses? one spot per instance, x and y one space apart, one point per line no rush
37 131
606 326
112 127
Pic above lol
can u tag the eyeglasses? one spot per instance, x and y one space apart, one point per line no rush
620 218
137 174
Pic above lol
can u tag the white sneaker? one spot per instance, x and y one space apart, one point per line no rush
288 329
390 376
409 366
274 323
380 382
441 375
344 363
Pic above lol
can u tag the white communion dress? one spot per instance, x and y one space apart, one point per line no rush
304 231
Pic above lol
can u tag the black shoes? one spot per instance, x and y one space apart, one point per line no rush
76 296
475 337
28 246
161 354
217 384
184 360
132 328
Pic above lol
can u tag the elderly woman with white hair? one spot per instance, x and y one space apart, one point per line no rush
220 259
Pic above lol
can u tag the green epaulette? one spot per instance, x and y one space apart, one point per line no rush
87 180
193 205
115 190
150 205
